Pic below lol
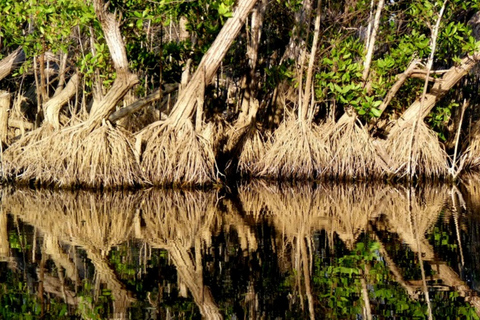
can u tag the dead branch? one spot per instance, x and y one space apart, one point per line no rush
142 102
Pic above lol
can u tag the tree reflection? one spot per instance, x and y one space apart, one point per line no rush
262 251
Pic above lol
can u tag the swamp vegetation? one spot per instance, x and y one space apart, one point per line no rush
132 93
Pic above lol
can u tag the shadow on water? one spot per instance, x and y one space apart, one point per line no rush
265 251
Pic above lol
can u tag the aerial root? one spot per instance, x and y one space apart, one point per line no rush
298 151
177 155
83 155
421 157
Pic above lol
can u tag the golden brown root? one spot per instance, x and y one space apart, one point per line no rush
177 155
252 148
471 190
471 156
13 161
214 133
344 209
422 157
76 156
299 151
171 216
353 153
88 219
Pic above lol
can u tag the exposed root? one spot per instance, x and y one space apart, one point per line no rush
250 148
422 157
298 152
171 216
87 219
13 160
82 155
177 155
353 153
214 133
471 156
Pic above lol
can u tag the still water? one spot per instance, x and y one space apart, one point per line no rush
254 251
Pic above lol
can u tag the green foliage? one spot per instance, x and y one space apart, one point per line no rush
42 25
339 287
17 301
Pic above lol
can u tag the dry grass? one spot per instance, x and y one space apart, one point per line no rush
427 156
82 155
353 153
177 155
298 151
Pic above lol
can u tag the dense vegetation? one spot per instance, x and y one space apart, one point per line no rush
131 92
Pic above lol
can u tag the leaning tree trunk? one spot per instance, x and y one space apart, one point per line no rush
249 104
185 106
422 108
53 106
10 62
4 110
125 79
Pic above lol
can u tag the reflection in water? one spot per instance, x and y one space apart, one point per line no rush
261 251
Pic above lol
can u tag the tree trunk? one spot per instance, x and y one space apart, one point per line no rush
10 62
53 106
4 243
138 104
371 42
4 108
250 81
438 91
125 79
185 105
305 103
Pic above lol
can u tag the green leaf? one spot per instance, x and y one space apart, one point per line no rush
375 112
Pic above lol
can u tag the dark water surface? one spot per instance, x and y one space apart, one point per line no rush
258 251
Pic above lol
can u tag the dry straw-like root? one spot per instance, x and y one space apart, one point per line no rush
253 203
250 146
14 159
471 190
299 151
471 156
173 217
214 133
342 209
177 155
412 213
83 155
83 218
178 222
421 157
353 154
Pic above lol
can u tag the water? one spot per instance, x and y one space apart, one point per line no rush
258 251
